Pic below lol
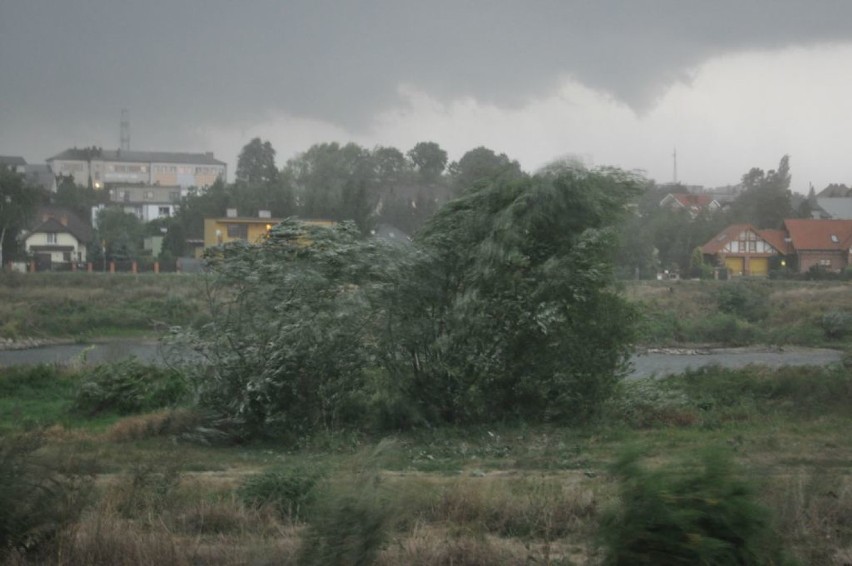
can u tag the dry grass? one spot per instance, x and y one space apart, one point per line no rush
542 508
161 423
814 506
429 546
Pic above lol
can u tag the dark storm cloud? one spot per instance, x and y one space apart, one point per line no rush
66 64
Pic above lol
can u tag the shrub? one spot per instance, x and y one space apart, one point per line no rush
129 387
288 491
836 324
722 328
702 513
748 300
650 402
349 525
36 499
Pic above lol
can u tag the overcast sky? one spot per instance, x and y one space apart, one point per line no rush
729 84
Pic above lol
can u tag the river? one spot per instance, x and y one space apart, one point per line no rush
654 362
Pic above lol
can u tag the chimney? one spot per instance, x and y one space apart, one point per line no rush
264 214
231 213
63 220
208 153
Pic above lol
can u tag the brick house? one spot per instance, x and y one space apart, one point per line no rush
826 244
804 243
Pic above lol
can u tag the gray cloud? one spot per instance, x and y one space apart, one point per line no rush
67 65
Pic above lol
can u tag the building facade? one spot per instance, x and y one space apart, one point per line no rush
107 168
147 202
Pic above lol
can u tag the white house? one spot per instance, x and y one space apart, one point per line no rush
58 236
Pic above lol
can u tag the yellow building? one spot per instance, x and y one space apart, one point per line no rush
252 229
218 231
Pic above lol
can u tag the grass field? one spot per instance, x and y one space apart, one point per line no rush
149 482
506 494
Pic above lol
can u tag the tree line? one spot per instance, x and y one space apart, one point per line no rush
383 185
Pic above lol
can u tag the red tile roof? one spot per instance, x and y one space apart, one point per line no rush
690 199
774 238
807 234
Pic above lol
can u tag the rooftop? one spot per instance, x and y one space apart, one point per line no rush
99 154
807 234
12 160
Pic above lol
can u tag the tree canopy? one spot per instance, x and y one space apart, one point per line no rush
18 203
502 308
256 163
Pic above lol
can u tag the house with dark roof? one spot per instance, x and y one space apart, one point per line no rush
837 208
57 237
14 163
41 176
803 243
102 168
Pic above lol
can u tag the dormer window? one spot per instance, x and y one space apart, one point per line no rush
51 237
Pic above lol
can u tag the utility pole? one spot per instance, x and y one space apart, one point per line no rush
674 158
125 130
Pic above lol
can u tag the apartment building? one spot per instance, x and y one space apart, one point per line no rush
106 168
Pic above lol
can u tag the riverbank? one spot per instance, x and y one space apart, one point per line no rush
648 362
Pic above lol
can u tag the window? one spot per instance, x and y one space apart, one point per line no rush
835 239
164 212
51 237
238 231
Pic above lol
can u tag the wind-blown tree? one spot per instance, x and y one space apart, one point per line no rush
256 163
481 165
294 328
18 202
503 308
429 160
513 314
336 182
765 200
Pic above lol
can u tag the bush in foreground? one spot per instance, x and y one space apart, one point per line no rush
36 499
698 513
129 387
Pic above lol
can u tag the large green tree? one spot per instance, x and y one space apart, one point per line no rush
765 200
120 233
503 308
429 160
514 313
481 165
336 182
18 202
256 163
